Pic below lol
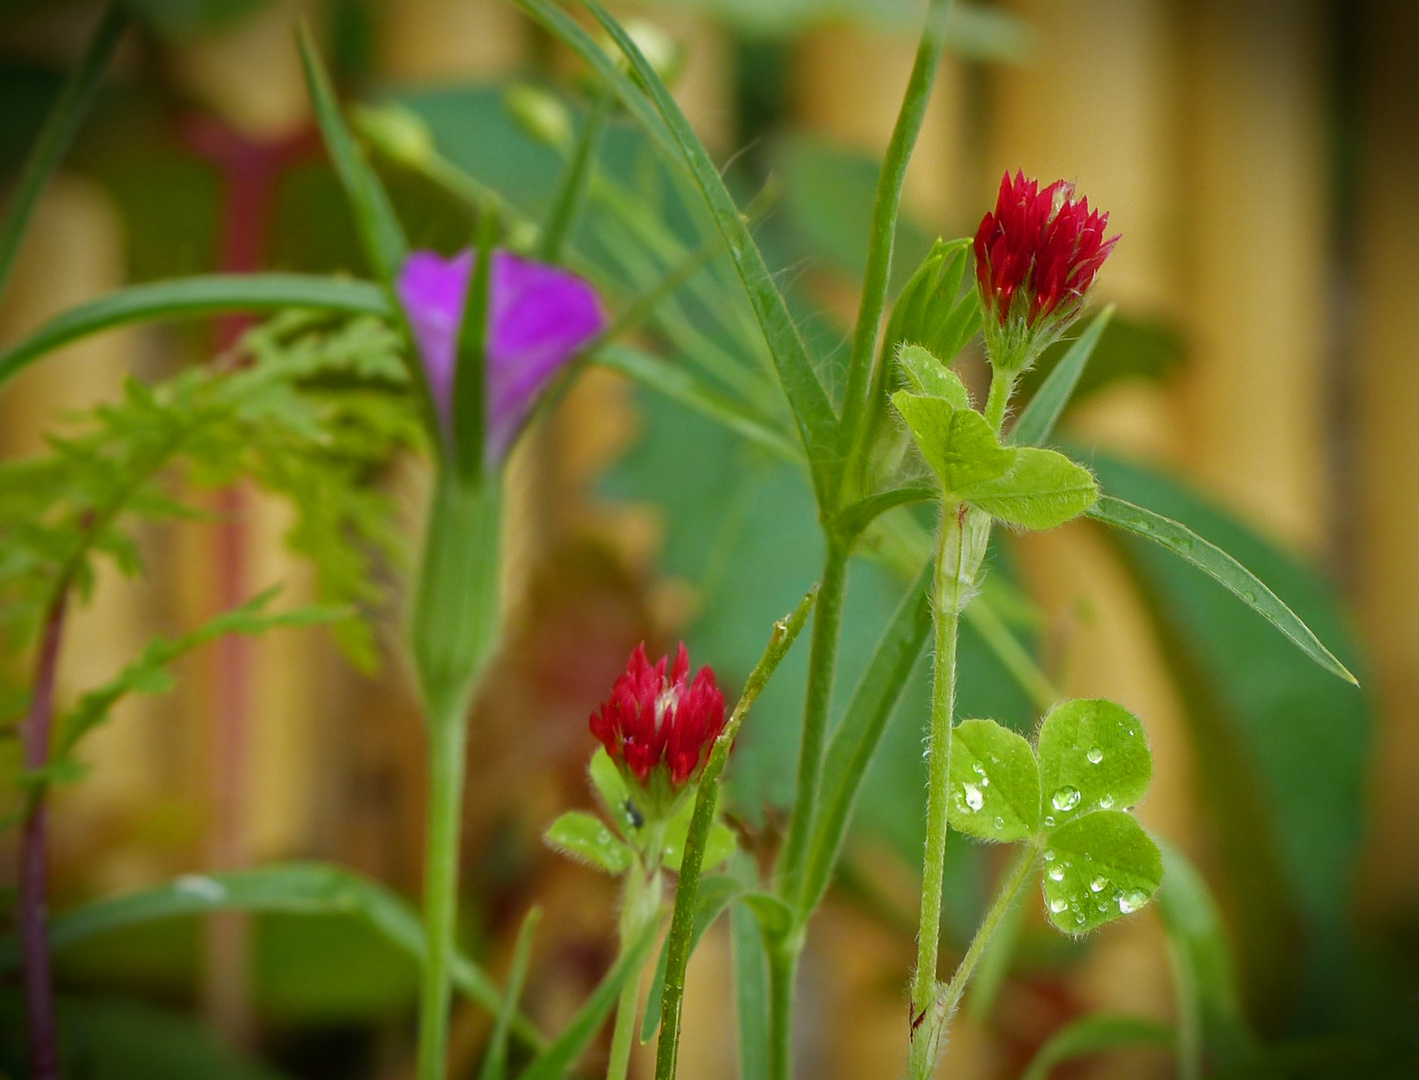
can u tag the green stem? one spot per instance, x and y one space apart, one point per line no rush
58 132
783 978
932 1032
1002 386
447 736
680 940
822 660
623 1035
885 211
640 909
571 190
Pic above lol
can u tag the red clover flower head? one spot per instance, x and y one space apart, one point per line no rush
659 728
1037 254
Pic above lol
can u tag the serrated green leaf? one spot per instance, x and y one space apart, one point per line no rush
1093 755
1042 490
1224 569
930 376
1092 1035
995 783
1099 867
1036 423
587 840
713 895
957 443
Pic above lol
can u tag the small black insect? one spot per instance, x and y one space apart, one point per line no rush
637 818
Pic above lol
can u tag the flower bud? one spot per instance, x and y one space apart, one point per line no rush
658 729
663 52
1037 254
397 132
540 113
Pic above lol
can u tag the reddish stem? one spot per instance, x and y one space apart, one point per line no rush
41 1029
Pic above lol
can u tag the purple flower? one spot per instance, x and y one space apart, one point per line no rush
539 317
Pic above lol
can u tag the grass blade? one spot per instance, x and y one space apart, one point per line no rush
191 298
380 232
751 993
562 1053
860 731
812 409
1036 423
58 132
1224 569
294 888
1092 1034
495 1061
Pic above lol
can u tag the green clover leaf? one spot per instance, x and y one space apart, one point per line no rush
1093 756
1042 490
1098 867
587 840
995 783
930 377
957 443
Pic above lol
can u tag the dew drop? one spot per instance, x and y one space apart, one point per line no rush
974 799
1056 873
999 823
1079 919
1049 854
1132 900
1058 904
1049 821
1106 802
1066 798
1095 755
1099 884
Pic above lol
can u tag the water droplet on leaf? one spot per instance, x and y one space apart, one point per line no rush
1132 900
1058 904
1066 798
1095 755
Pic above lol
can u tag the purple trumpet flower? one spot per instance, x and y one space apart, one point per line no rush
539 317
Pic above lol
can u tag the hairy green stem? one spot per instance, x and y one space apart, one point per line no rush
822 661
447 741
1002 386
572 188
640 909
58 132
932 1033
885 211
783 979
680 941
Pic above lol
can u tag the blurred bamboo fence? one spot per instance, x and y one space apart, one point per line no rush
1203 127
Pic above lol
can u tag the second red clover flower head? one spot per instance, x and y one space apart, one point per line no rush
1037 254
658 727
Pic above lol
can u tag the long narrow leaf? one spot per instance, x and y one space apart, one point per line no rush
58 132
495 1061
191 298
1208 1000
860 731
683 386
562 1053
751 993
293 888
1092 1035
1216 563
812 409
380 232
1036 423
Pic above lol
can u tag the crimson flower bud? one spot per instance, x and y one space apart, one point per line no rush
1037 254
659 729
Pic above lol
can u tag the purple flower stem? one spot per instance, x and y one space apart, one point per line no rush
41 1028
